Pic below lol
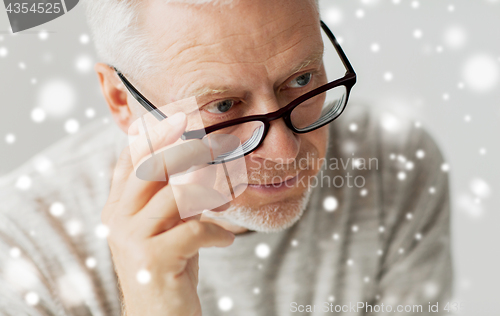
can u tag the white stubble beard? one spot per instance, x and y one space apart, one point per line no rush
266 218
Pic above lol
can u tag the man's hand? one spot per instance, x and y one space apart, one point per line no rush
155 253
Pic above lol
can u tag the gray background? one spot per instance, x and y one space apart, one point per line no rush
447 79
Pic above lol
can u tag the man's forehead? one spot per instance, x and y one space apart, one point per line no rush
176 28
192 41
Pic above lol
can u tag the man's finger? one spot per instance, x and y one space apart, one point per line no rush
163 211
176 159
184 240
165 133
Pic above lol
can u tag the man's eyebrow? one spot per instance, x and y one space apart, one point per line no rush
204 91
314 58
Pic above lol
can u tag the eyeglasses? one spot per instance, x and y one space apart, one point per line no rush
303 114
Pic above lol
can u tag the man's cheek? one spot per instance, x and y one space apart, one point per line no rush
316 143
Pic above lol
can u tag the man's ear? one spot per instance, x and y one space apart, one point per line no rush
115 94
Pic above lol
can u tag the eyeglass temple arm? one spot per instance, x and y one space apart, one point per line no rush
140 98
336 44
151 108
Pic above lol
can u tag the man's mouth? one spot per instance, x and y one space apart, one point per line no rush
278 184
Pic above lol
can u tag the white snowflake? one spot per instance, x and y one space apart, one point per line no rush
388 76
225 303
38 115
91 262
32 298
420 154
3 51
470 206
57 209
262 250
23 182
455 37
390 122
84 63
42 164
445 167
57 98
20 273
10 138
333 16
15 252
102 231
409 165
43 35
330 204
84 39
90 113
375 47
430 289
74 227
480 188
74 287
143 276
481 72
71 126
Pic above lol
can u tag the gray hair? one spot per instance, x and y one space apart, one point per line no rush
118 37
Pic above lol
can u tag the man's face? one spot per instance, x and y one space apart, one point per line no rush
253 55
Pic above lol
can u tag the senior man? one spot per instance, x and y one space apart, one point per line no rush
286 245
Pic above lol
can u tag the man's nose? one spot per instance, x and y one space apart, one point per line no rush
281 145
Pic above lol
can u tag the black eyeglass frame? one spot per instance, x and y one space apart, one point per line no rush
348 81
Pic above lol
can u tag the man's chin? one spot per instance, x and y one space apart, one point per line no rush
269 218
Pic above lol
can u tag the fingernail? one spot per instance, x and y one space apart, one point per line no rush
211 143
215 144
231 234
176 119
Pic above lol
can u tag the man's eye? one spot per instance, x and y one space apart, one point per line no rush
220 106
301 81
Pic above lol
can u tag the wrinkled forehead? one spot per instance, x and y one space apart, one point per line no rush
189 38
